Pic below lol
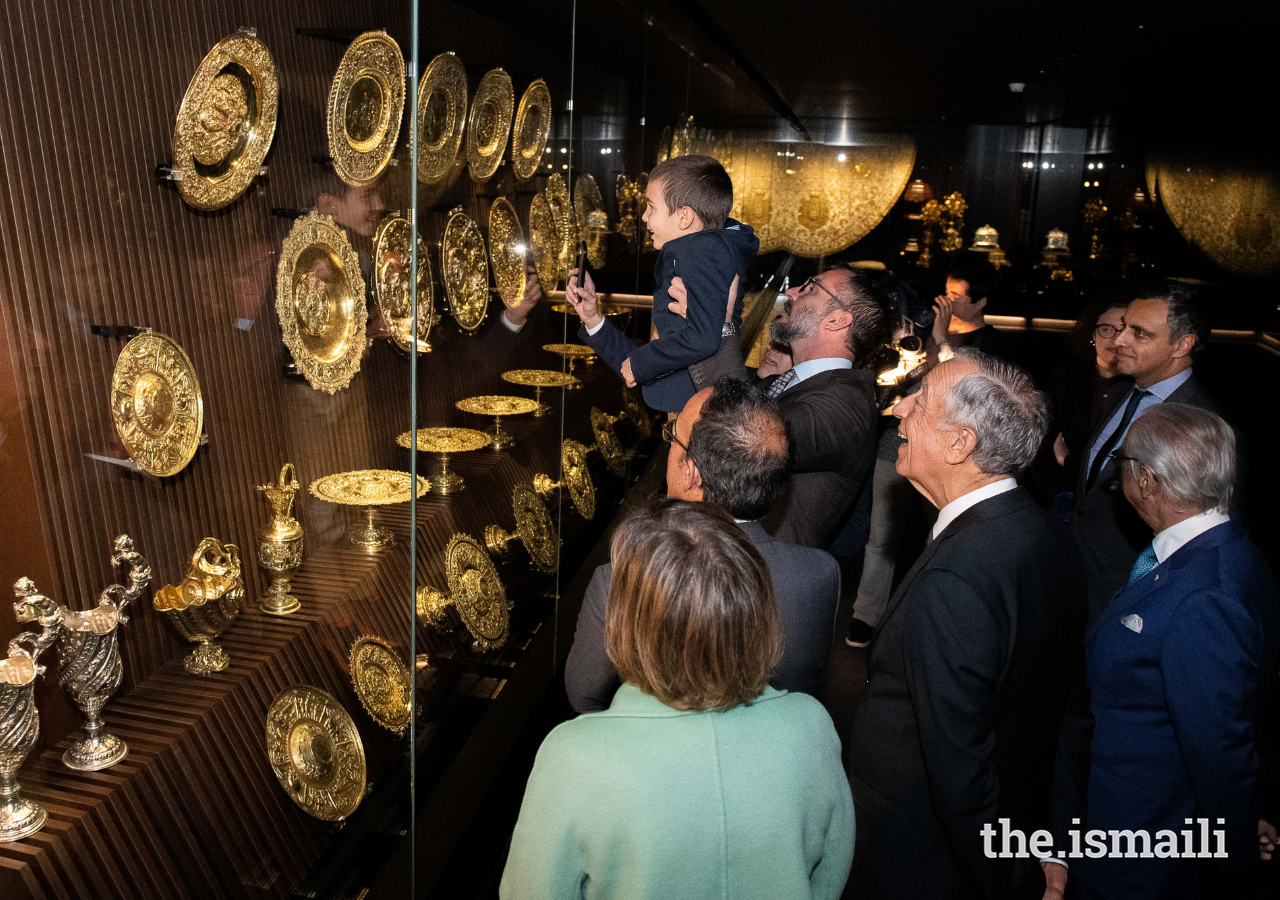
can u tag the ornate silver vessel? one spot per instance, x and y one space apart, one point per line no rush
19 725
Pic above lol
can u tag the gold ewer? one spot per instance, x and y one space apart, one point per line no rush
19 727
205 604
280 544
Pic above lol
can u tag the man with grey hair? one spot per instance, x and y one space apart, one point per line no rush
970 666
1176 666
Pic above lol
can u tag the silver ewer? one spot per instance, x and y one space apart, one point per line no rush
20 724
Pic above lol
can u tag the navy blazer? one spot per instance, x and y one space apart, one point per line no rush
1175 694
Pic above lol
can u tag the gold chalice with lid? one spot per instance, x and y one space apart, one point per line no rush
477 597
534 529
368 488
539 379
497 406
575 477
573 353
445 441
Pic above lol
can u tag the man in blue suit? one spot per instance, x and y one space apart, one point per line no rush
1176 666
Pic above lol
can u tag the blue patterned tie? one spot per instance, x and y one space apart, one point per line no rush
1144 566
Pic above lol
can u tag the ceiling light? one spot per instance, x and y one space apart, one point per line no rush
1017 86
1044 165
1099 165
840 157
1090 165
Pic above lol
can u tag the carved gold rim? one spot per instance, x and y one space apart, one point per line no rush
566 220
322 320
534 526
366 103
442 117
316 753
391 265
366 487
529 134
543 378
465 270
382 683
577 478
477 591
544 242
489 124
497 405
156 404
592 219
446 440
226 122
607 441
507 252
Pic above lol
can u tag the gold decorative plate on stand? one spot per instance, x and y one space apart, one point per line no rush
320 302
604 307
633 409
226 121
489 124
478 597
156 404
466 271
575 476
593 221
366 102
442 117
539 379
607 441
445 441
392 271
497 406
566 219
572 352
507 252
544 243
316 752
369 488
534 529
382 683
531 129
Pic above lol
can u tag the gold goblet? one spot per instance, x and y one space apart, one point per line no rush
534 529
538 379
280 544
368 488
497 406
205 603
445 441
477 599
574 477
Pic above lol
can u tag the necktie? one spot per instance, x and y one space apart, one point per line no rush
1104 452
781 383
1145 564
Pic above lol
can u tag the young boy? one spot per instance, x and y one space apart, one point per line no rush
687 205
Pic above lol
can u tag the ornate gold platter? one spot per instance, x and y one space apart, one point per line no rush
366 102
507 252
593 221
316 752
534 529
226 121
466 271
477 595
498 406
605 308
156 404
575 477
539 379
320 301
392 272
442 117
572 352
544 243
633 409
489 124
445 441
566 220
369 488
530 130
607 441
382 683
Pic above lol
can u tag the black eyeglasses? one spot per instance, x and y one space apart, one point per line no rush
1120 457
813 282
669 435
1107 332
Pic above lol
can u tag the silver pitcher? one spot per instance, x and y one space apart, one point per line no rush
20 725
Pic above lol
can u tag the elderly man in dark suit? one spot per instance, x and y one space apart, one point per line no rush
970 667
729 448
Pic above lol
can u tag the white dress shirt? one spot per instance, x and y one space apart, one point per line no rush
508 324
811 367
948 513
1171 540
1157 393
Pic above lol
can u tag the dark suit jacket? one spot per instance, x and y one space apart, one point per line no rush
968 676
806 583
1174 698
833 417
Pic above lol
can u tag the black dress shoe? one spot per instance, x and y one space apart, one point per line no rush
859 633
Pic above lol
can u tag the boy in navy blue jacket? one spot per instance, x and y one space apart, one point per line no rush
687 204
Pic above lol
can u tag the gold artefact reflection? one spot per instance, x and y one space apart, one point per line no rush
664 144
445 441
320 302
156 404
593 221
382 683
477 595
442 117
539 379
19 728
607 441
466 270
366 102
226 121
633 409
572 352
507 251
280 544
627 194
497 406
575 477
316 752
392 267
534 529
531 129
557 194
368 488
489 124
205 604
544 243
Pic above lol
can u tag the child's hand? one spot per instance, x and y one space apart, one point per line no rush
626 370
583 299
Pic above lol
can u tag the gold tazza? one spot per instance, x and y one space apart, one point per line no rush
534 529
496 405
392 266
544 243
366 103
507 251
566 220
382 683
316 752
156 404
320 299
442 117
445 441
593 221
539 379
575 477
489 124
226 121
366 487
607 441
478 597
531 129
465 270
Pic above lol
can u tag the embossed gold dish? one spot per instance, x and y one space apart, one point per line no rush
604 307
466 270
477 598
382 683
607 441
507 251
489 124
497 406
392 268
442 117
634 411
593 221
280 544
366 103
544 243
557 194
530 130
575 477
445 441
534 529
205 604
368 488
539 379
320 302
573 353
156 404
226 122
19 728
316 752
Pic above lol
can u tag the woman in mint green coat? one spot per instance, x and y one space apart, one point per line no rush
700 780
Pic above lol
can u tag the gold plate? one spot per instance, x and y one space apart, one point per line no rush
489 124
557 195
531 129
466 271
534 529
544 242
320 302
574 476
446 440
442 117
156 404
226 121
391 268
366 487
366 102
507 252
579 351
593 221
604 307
542 378
633 408
381 680
476 590
495 405
316 752
607 441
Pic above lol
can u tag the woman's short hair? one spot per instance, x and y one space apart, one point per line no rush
1081 337
691 617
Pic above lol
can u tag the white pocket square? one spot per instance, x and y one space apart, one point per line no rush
1133 622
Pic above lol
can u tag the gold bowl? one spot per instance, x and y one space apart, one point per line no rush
205 604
